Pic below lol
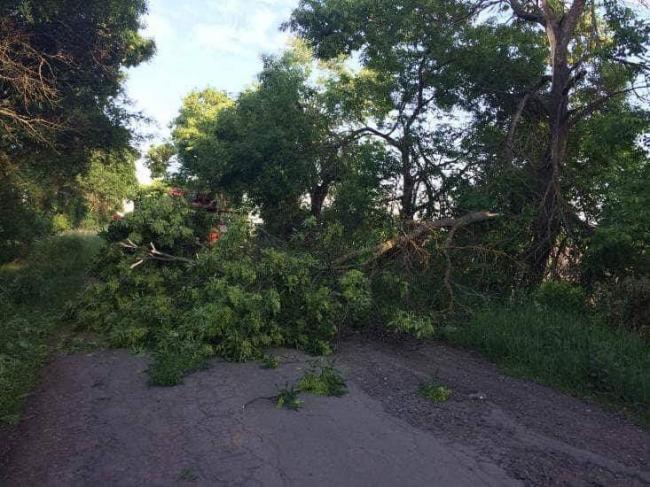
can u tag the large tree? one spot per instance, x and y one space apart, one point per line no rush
487 54
407 77
61 94
411 91
595 58
277 146
62 67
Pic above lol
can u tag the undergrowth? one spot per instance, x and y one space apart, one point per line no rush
34 295
565 348
270 361
321 380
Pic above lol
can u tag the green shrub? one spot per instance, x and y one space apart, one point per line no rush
357 296
560 295
61 223
413 324
626 303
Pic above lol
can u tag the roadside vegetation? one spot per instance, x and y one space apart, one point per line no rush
568 349
473 170
34 295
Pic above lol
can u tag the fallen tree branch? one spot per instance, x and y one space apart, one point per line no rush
421 232
153 253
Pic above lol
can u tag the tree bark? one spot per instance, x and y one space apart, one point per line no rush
317 197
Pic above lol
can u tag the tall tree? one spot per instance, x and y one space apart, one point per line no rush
61 93
406 81
276 146
61 70
528 72
410 93
596 55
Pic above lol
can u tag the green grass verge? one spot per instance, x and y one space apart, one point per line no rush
573 352
33 297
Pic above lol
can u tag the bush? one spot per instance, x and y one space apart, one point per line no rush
626 304
561 296
61 223
413 324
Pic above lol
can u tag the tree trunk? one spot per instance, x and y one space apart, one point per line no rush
317 196
547 224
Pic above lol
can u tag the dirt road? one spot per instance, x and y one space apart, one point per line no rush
95 422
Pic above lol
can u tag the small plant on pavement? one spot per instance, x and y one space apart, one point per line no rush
435 391
288 398
327 382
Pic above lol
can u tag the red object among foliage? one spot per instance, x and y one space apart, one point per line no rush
177 192
213 236
117 218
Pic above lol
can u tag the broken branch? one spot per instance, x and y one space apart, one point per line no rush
422 230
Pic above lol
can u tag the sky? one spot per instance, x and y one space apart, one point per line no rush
202 43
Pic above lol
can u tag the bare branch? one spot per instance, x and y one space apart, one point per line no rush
29 84
577 115
152 253
530 12
512 130
422 230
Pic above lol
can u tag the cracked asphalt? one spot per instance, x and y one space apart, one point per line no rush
95 422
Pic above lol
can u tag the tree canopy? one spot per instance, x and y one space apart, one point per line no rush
61 78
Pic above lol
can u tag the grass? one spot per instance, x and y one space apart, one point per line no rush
187 475
33 298
169 367
574 352
270 362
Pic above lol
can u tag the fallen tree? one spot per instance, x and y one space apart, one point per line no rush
418 235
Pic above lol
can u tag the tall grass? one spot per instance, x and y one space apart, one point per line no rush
33 296
572 351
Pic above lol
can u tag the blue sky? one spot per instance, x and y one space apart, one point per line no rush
203 43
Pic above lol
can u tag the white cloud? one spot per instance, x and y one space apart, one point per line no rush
158 27
250 29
